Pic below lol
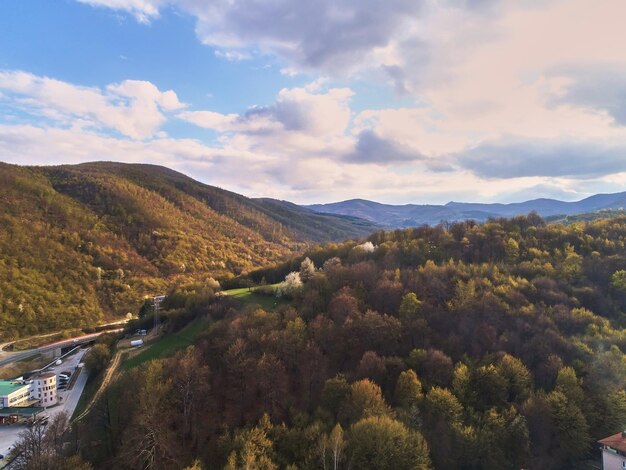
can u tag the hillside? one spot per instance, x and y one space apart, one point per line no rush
471 346
411 215
586 216
80 243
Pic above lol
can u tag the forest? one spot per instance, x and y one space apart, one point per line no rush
467 346
86 243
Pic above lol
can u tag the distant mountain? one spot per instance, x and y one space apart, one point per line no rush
409 215
79 243
317 226
586 216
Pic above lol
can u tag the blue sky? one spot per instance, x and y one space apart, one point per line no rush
398 101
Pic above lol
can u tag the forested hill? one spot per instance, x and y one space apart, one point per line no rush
495 346
81 242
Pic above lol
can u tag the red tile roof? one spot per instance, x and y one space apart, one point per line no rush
617 441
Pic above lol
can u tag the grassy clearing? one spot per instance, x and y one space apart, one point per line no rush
169 344
249 296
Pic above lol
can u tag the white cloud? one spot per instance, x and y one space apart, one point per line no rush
258 174
233 55
143 10
210 120
302 123
133 108
501 86
333 35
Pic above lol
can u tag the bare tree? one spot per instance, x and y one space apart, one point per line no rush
332 446
40 447
31 450
337 445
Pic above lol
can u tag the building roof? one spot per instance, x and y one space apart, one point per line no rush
45 375
617 441
21 411
9 386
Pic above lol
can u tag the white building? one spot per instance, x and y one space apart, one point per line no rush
44 388
18 393
14 393
614 452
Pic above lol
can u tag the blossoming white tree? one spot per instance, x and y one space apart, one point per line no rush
290 285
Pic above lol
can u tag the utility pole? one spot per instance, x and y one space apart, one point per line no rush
156 304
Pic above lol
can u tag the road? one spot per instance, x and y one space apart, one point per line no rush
6 357
8 436
69 398
49 347
4 353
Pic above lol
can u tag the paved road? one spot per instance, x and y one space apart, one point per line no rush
4 353
49 347
8 436
73 396
68 399
18 356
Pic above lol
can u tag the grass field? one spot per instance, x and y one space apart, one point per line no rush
169 344
245 295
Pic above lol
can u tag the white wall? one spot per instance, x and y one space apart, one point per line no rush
44 390
612 461
17 397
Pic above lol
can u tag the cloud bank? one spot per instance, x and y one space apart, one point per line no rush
503 98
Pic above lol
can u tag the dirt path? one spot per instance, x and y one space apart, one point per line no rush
108 377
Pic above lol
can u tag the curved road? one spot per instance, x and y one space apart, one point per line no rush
14 357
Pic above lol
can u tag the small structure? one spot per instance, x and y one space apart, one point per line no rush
44 389
614 451
14 393
19 414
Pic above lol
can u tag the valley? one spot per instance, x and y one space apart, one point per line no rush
85 244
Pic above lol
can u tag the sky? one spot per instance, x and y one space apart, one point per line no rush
398 101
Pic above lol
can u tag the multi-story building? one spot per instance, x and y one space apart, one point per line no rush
14 393
44 389
614 451
17 393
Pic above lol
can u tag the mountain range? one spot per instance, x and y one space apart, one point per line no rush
83 243
410 215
